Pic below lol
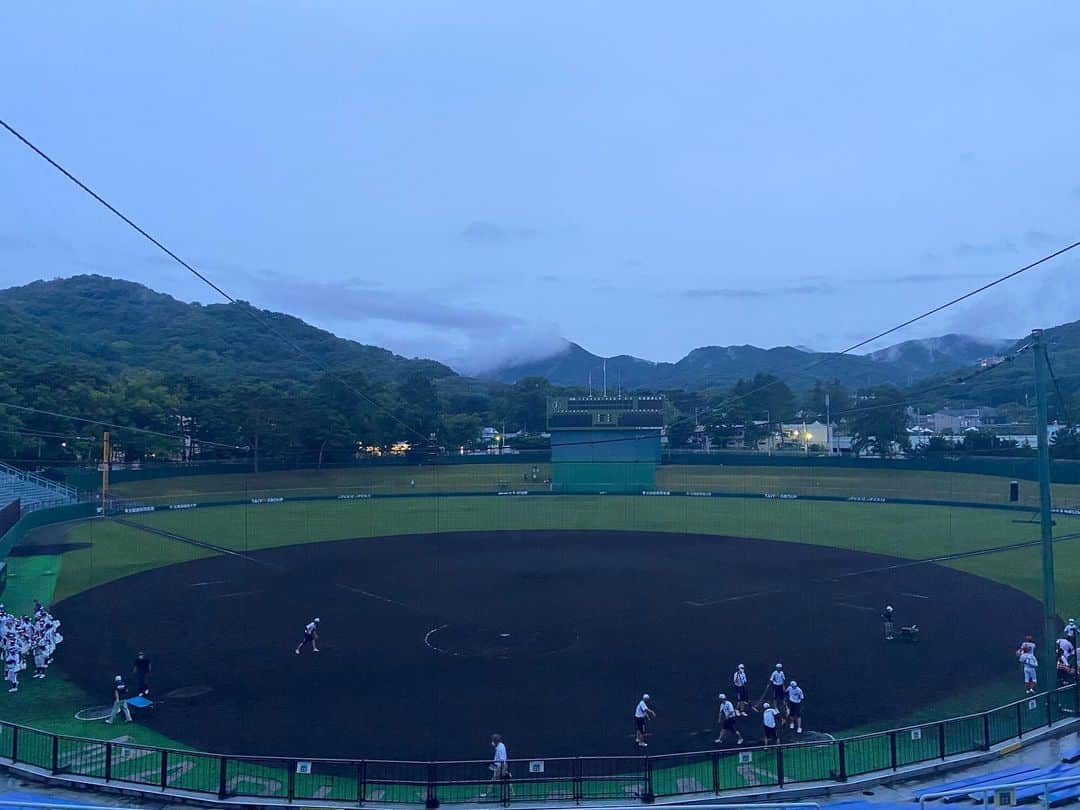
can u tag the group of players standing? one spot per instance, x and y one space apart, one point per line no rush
786 706
1066 658
24 638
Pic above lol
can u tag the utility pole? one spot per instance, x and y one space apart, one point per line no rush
1049 662
106 455
828 424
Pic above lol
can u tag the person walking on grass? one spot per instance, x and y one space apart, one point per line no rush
795 699
770 720
642 713
726 718
311 636
119 701
11 669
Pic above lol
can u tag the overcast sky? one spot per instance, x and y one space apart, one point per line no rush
473 181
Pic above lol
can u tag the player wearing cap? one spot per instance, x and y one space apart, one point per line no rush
887 622
119 700
742 698
726 718
1030 664
141 668
770 720
777 679
641 715
795 698
1026 646
311 636
1071 631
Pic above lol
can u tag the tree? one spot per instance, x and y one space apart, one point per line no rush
1066 443
678 432
419 407
459 430
814 404
879 423
975 440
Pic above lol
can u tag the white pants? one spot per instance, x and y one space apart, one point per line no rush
1029 674
120 706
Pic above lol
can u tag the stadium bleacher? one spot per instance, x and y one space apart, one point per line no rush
34 491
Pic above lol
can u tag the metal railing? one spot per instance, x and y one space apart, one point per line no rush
67 493
642 778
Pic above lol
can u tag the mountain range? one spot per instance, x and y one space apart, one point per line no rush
111 326
903 364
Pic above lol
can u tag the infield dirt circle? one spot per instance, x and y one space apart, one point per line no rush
432 642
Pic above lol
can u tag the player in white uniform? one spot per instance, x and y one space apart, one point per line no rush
1030 664
777 680
727 717
742 697
641 715
770 719
795 699
500 763
311 636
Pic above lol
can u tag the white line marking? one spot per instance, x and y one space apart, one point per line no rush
738 598
855 607
433 631
371 595
208 582
914 595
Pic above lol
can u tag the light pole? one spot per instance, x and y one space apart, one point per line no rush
1045 517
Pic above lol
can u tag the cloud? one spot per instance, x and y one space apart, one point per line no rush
491 233
15 242
968 250
471 339
757 292
1037 238
921 278
549 278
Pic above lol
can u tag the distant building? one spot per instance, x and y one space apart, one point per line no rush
807 434
605 444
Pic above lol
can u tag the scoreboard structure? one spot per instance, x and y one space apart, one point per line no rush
605 444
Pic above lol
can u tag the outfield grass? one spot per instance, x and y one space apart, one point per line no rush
913 532
839 481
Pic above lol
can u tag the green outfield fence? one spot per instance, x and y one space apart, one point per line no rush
279 780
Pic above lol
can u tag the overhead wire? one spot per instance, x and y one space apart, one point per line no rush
121 428
928 313
250 310
255 314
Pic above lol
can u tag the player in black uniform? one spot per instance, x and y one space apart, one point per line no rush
140 667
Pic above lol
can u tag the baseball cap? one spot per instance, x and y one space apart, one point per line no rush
723 696
645 696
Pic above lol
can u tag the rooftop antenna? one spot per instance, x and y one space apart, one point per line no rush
590 385
605 378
